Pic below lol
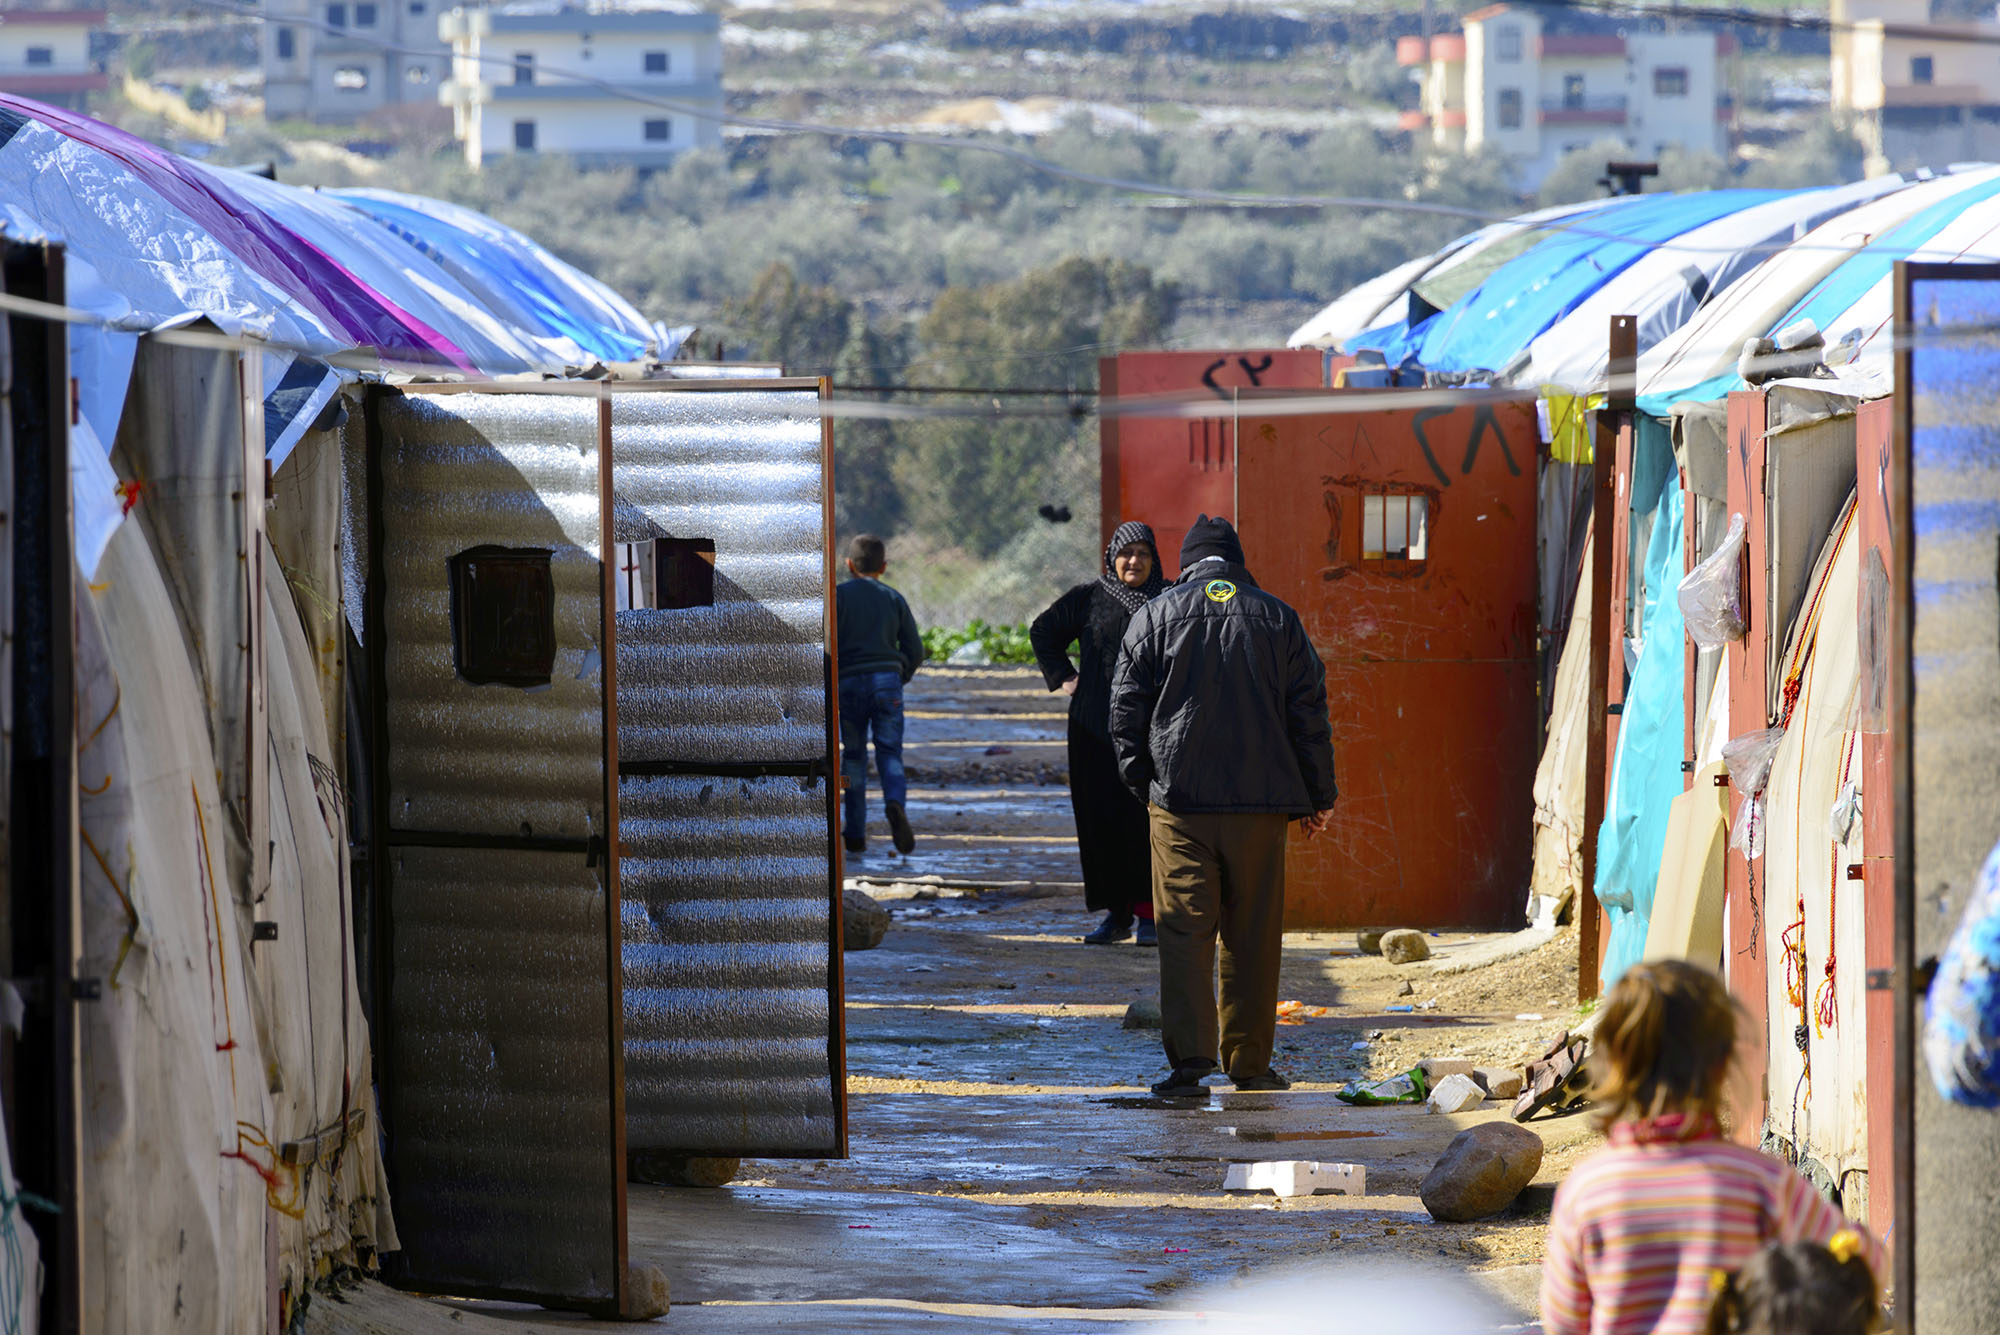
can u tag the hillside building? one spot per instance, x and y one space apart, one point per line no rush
1534 94
340 60
1919 84
605 86
45 54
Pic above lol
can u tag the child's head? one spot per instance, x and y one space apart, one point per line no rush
867 555
1798 1288
1663 1043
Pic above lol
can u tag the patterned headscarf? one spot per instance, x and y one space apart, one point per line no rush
1132 599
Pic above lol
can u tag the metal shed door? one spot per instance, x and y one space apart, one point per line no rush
1406 540
490 640
727 736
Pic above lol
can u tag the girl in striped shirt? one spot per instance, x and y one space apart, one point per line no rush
1641 1228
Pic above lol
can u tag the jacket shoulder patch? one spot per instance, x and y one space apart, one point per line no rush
1219 590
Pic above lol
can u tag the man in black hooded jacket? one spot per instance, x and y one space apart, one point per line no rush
1218 718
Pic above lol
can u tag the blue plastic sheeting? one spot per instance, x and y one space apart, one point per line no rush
1494 324
582 319
1646 772
1846 285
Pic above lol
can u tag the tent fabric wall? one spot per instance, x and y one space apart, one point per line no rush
1558 874
1646 768
1808 900
174 1064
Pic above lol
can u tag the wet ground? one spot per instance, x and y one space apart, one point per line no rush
1009 1170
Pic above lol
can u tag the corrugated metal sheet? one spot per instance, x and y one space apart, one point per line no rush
503 1061
728 905
501 1070
726 938
459 471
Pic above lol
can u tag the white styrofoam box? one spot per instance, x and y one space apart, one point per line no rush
1456 1093
1294 1177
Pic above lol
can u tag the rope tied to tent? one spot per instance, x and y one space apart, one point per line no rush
1826 1002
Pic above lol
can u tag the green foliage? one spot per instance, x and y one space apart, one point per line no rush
1004 644
982 479
141 58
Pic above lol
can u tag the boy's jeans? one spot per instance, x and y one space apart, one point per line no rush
870 701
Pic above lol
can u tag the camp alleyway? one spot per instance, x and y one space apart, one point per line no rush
1009 1170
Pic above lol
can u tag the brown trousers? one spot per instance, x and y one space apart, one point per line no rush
1219 874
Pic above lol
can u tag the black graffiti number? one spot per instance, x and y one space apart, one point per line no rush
1484 419
1255 373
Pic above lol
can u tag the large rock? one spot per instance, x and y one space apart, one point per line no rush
1481 1172
863 921
1405 946
1368 943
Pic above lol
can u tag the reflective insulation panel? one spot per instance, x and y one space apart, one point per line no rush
725 930
500 1066
460 472
500 1046
731 1038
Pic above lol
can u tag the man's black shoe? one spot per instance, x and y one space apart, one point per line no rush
853 843
1184 1083
900 832
1270 1080
1115 927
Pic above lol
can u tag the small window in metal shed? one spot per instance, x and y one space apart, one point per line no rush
666 574
503 616
1395 527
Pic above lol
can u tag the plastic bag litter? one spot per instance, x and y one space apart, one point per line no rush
1962 1008
1409 1087
1711 594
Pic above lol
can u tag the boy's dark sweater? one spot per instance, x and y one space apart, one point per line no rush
877 631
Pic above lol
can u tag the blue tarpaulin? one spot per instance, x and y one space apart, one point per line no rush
1646 771
1491 326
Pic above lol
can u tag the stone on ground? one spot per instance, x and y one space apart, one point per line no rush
1437 1068
1499 1082
1481 1172
1368 943
1408 989
645 1291
1456 1093
863 921
1142 1015
662 1169
1405 946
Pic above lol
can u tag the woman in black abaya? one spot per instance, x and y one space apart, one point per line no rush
1111 824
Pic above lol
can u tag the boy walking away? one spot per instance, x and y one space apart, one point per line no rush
880 650
1218 716
1646 1229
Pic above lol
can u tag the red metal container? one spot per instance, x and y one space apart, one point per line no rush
1405 537
1169 470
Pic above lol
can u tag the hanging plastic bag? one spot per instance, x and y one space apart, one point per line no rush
1846 811
1749 759
1712 593
1747 835
1962 1009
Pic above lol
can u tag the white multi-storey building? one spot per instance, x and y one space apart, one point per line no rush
1536 95
1918 92
339 60
45 54
634 86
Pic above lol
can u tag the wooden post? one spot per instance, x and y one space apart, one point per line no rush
1604 503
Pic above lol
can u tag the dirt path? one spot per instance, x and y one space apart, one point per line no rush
1009 1170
